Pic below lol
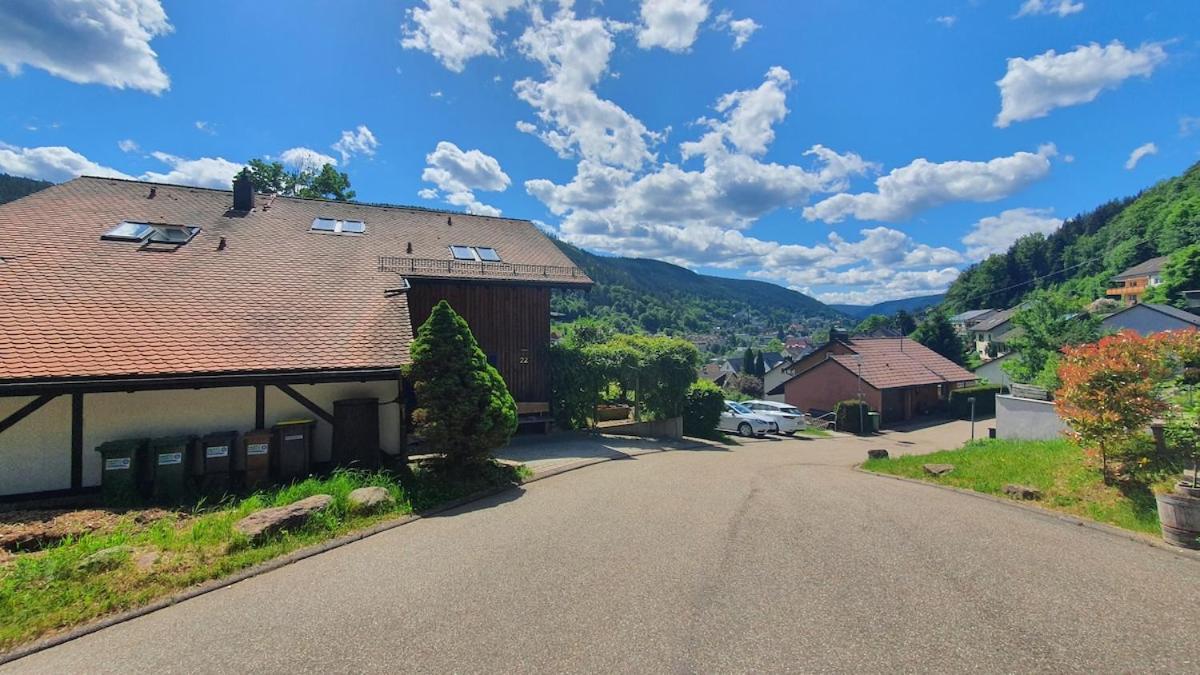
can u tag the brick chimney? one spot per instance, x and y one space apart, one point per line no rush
243 192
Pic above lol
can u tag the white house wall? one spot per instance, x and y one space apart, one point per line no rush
1027 419
35 454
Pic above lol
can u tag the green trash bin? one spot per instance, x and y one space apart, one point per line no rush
121 469
168 467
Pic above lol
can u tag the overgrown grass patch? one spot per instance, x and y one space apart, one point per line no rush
47 590
1057 468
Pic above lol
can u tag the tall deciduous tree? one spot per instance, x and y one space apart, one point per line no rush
904 322
1181 273
1047 322
936 333
328 183
464 408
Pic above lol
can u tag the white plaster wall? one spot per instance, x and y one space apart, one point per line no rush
35 454
1027 419
773 379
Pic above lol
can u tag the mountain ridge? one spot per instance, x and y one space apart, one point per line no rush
889 307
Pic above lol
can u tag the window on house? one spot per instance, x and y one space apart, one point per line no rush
463 252
487 254
128 231
476 253
338 226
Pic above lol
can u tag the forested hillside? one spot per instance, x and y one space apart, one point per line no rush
650 295
1081 257
15 187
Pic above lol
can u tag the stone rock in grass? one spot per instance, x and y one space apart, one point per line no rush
938 469
105 559
145 560
1022 491
877 454
369 499
262 524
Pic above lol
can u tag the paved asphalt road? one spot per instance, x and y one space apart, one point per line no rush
772 556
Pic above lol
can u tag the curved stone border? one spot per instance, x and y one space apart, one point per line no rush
1111 530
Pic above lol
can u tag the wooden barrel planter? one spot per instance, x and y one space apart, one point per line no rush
1179 514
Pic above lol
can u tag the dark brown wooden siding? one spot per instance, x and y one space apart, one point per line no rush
511 324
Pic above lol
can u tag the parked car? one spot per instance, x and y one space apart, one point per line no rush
790 419
738 418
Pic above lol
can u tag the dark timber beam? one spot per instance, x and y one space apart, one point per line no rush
76 441
25 411
303 400
260 406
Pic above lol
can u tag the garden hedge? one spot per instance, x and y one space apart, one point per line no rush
847 418
985 400
702 409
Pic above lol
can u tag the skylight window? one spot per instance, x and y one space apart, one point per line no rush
171 234
338 226
128 231
476 253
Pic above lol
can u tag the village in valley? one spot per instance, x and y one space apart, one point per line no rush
449 347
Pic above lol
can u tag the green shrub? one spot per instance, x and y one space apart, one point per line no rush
464 409
985 400
702 409
848 418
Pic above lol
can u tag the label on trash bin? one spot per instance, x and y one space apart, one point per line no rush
168 458
216 451
296 437
116 464
257 448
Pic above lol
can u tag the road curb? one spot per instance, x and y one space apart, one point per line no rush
307 552
1110 530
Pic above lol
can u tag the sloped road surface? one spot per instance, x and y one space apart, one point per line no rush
772 556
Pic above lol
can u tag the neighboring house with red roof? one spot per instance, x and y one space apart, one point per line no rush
898 377
132 309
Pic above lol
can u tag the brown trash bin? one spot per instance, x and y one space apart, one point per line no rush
214 458
292 456
253 461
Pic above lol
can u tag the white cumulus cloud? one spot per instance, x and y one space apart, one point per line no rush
575 121
455 31
1138 153
995 234
740 29
1057 7
128 145
359 141
306 159
86 41
671 24
52 163
1032 87
211 172
458 173
922 185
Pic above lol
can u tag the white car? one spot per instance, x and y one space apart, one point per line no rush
789 418
739 418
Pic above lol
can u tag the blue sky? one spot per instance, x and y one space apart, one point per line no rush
858 151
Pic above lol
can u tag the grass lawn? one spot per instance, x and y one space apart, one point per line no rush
47 590
1055 467
813 432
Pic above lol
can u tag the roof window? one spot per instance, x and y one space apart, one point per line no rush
476 253
151 233
128 231
338 226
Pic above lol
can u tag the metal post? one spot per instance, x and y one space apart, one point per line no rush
972 402
861 429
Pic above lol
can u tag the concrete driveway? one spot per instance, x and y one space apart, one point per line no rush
769 556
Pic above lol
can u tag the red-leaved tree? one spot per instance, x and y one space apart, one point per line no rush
1110 388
